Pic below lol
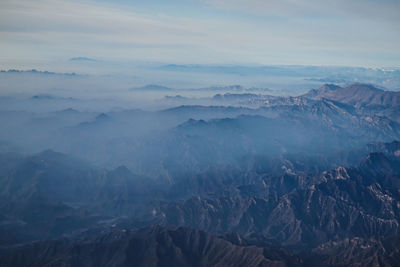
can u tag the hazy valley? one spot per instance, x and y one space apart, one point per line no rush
231 178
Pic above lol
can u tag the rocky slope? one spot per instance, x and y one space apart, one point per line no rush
146 247
359 95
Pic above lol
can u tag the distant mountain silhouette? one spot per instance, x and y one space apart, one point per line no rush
83 59
152 87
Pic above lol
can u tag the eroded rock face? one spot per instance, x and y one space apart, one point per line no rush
345 202
357 252
300 211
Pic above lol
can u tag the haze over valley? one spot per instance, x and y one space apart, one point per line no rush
199 133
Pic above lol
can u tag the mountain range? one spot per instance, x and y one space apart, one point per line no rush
309 180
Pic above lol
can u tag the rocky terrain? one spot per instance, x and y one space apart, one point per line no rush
291 181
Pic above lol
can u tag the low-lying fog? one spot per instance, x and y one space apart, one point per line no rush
155 129
144 86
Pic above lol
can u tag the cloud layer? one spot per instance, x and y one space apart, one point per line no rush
202 31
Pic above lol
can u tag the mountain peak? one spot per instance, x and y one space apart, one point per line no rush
321 91
102 116
329 87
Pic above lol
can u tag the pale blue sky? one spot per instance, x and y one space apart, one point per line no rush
307 32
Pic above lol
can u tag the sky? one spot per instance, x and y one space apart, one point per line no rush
47 33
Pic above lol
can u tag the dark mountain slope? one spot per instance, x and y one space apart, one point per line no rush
51 194
52 175
146 247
